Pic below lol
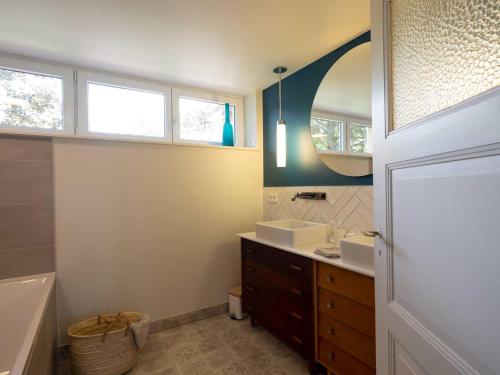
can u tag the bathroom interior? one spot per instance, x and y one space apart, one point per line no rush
266 187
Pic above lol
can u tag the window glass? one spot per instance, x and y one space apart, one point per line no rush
31 100
201 120
360 138
327 134
125 111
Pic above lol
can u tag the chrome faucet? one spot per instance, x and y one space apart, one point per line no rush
309 195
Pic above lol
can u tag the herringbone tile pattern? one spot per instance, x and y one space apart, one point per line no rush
352 206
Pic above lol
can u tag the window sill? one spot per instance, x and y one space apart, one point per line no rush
66 135
349 154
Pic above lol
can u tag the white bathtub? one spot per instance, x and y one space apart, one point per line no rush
24 305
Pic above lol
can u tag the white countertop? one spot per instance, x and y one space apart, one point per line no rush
308 251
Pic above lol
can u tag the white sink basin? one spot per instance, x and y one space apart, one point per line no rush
358 251
292 233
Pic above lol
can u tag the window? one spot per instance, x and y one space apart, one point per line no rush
360 138
200 120
199 117
35 97
122 108
53 100
117 110
327 134
333 134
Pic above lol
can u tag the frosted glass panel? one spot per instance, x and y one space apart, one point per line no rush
443 52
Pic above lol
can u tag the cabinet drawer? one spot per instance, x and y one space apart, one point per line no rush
280 288
294 266
350 340
340 362
298 333
349 284
258 296
352 313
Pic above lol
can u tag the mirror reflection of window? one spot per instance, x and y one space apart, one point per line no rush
327 134
360 138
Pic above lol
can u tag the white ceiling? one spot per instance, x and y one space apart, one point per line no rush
229 45
346 88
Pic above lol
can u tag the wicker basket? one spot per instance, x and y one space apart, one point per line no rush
103 345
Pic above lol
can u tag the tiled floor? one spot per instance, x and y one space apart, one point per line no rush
216 346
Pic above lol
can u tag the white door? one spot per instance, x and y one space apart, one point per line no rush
436 189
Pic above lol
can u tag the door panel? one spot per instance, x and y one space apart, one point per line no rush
405 365
437 208
442 259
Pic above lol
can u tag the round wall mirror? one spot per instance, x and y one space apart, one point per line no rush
341 126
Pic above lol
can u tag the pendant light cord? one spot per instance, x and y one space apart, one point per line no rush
279 93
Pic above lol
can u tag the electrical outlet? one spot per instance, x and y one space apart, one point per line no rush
273 198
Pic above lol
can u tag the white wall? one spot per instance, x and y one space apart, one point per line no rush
150 227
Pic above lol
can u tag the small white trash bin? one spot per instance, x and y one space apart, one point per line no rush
235 309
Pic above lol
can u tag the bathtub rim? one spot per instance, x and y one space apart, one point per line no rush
25 352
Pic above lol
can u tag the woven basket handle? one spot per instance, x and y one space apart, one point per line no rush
112 321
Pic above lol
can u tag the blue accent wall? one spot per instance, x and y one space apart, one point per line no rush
304 167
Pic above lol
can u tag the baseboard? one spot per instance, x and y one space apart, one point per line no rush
186 318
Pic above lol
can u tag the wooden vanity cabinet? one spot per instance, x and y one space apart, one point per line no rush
345 321
278 292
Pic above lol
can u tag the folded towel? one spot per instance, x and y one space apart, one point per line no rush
140 329
328 252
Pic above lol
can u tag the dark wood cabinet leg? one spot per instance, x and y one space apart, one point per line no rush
253 322
316 369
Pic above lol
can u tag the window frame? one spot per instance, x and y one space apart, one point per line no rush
68 94
84 77
75 81
210 96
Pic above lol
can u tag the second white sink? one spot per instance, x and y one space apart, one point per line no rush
358 251
293 233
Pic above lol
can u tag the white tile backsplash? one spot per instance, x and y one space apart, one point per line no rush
352 206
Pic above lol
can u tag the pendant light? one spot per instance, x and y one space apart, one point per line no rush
280 126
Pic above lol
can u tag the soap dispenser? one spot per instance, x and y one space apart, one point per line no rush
338 234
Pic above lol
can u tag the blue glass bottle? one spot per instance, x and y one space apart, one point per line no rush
227 131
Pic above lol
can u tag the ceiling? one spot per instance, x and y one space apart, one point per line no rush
346 88
228 45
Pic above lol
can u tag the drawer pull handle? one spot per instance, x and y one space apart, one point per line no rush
330 305
330 356
297 340
249 251
295 267
250 289
331 331
296 316
296 291
250 269
329 279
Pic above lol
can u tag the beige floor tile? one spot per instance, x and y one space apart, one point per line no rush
257 362
234 367
219 357
244 348
184 352
215 346
198 366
